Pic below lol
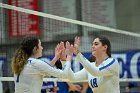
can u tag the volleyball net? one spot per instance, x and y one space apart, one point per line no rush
66 80
133 84
19 19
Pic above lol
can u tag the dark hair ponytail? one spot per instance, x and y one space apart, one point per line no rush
19 60
23 53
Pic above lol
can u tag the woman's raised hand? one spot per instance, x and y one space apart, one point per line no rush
69 51
76 48
63 53
59 49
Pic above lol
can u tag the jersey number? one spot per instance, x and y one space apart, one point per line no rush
93 82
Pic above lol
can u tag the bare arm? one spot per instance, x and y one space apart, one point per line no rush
58 52
74 87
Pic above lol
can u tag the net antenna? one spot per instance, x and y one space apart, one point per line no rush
109 29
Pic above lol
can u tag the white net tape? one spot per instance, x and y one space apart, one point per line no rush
68 20
66 80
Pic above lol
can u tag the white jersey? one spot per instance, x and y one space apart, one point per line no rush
31 78
102 79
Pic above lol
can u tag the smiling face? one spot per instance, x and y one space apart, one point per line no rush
37 51
98 48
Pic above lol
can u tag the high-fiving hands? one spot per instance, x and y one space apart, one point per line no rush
76 47
63 52
58 51
69 51
66 53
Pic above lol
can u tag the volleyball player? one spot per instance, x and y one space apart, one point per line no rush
29 70
103 74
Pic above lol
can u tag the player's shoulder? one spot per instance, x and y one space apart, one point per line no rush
111 60
33 60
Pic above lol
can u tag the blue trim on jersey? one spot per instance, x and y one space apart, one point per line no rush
47 63
101 68
42 61
17 79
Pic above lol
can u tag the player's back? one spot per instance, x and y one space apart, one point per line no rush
29 81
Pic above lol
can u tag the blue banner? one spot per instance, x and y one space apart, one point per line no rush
129 63
2 61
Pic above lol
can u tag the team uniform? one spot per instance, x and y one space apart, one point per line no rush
102 79
31 78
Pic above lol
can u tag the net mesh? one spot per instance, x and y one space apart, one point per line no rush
22 22
23 18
